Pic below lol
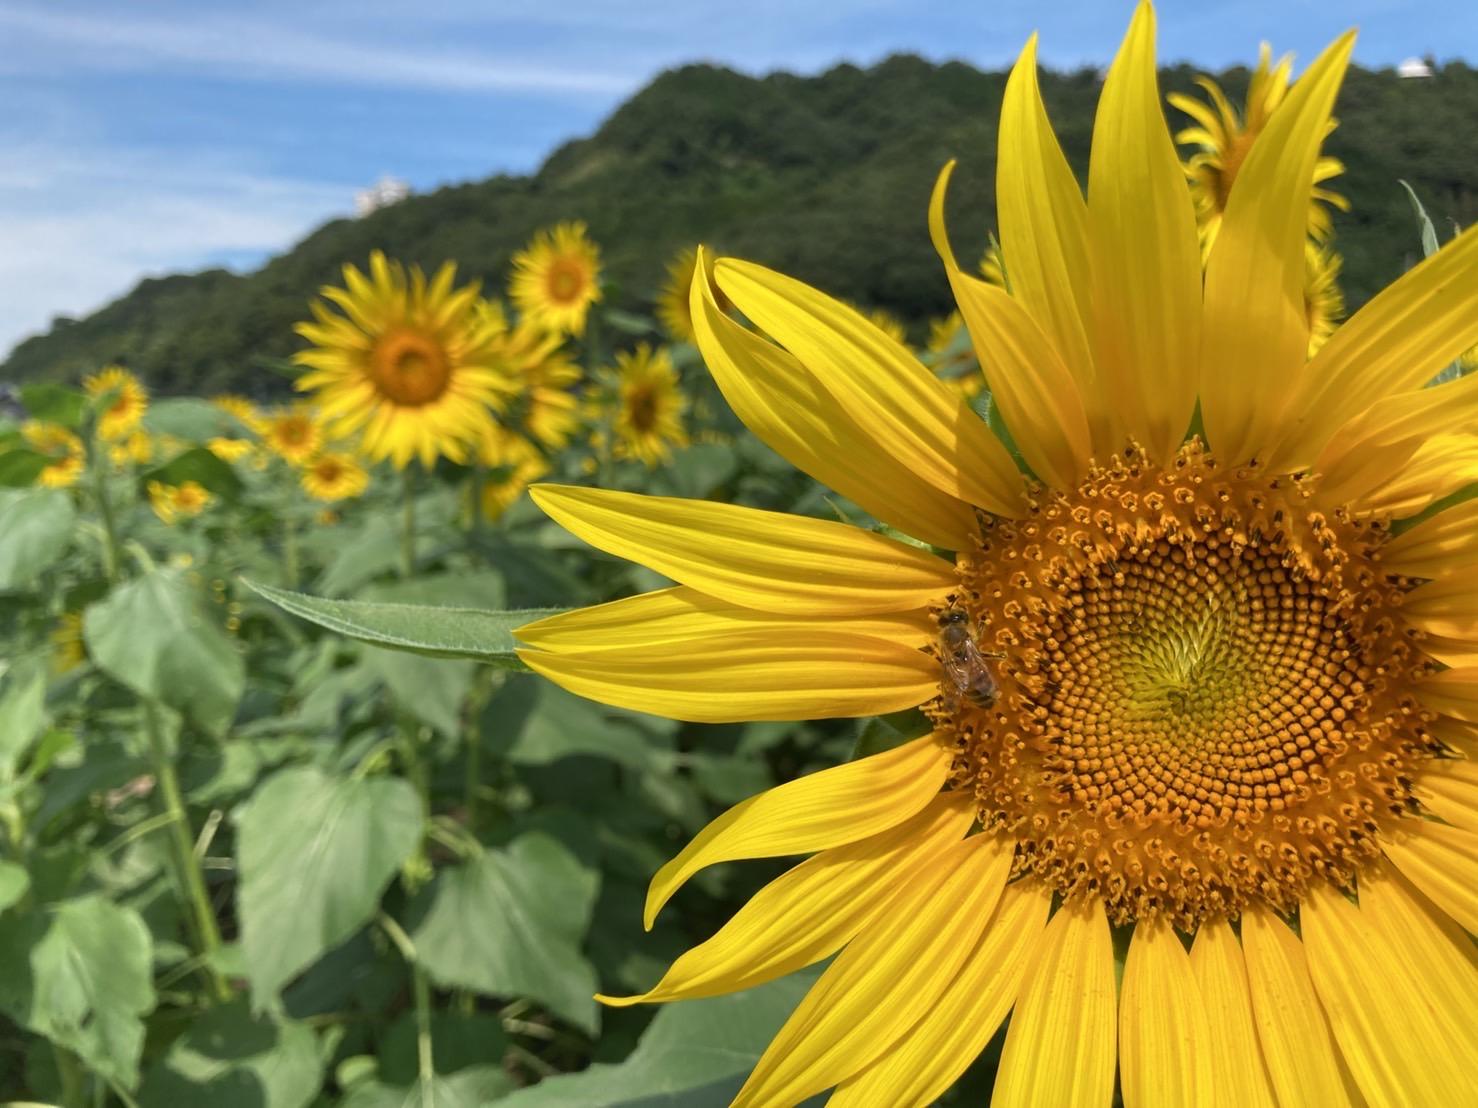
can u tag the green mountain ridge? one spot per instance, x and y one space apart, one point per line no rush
824 177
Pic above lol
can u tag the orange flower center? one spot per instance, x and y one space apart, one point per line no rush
409 368
566 281
1206 696
641 408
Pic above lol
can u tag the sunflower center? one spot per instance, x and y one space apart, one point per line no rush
409 368
565 282
1205 699
641 409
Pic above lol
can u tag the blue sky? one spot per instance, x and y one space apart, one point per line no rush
155 136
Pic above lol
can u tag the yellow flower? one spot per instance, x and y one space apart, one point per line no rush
67 648
1323 300
1222 138
242 409
137 448
951 357
888 323
1179 692
407 365
127 401
334 476
229 449
545 406
64 451
172 503
556 278
294 434
512 462
649 406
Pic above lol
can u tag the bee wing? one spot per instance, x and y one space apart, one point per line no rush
964 663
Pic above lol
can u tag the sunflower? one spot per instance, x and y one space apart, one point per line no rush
172 503
888 323
545 406
229 449
242 410
407 365
1186 698
64 452
1323 300
512 462
126 401
649 406
556 278
1223 137
334 476
136 448
294 434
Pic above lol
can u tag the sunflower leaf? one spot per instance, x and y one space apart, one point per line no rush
420 629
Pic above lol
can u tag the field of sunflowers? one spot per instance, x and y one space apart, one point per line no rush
390 738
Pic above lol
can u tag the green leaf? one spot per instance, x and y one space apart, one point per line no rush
190 418
14 881
229 1058
885 732
438 632
511 923
35 528
19 467
152 635
22 714
81 975
54 403
431 689
199 465
696 1052
316 852
536 723
1423 221
469 1088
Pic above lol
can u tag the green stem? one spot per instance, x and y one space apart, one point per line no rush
408 527
69 1069
488 682
112 548
421 992
192 877
289 550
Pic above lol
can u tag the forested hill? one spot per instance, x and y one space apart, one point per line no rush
825 177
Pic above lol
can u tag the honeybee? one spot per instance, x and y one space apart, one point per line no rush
964 662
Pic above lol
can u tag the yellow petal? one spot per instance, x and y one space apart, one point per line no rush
1044 231
887 978
1441 861
1060 1044
1441 465
680 614
1446 607
1038 396
1146 257
1389 1034
1448 787
1445 544
750 675
1256 331
788 409
1352 478
1164 1037
1453 692
836 806
1236 1057
1397 342
810 912
937 1049
909 413
1450 651
1303 1061
767 560
1458 736
1421 414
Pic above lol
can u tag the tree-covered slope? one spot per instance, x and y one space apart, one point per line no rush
826 177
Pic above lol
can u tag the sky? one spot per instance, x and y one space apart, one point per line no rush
159 136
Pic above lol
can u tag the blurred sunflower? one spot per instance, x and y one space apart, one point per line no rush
556 278
672 301
229 449
334 476
127 401
544 405
1192 690
244 411
951 356
67 648
65 454
293 434
137 448
888 323
1323 300
649 406
407 365
172 503
1222 138
512 462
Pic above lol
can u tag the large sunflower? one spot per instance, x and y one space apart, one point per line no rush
1222 137
556 278
407 365
1221 734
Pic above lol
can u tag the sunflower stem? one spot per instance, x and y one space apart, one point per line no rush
408 525
112 548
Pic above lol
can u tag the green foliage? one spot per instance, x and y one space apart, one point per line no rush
35 527
825 177
230 1058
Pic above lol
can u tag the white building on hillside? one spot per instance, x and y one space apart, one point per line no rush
384 192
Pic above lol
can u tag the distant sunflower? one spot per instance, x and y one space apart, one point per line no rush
672 301
408 365
512 462
244 411
334 476
1191 813
888 323
649 406
172 503
137 448
951 356
127 402
229 449
1323 300
64 450
544 405
556 278
293 434
1223 136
